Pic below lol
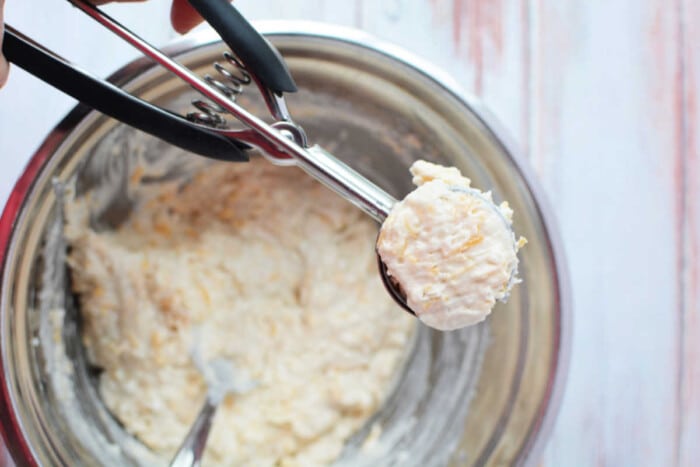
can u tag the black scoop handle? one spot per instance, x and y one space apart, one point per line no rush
260 57
110 100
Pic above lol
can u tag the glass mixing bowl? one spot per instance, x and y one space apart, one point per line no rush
485 395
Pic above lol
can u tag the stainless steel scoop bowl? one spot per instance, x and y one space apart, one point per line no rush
486 395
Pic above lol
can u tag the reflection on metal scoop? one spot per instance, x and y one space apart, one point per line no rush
393 287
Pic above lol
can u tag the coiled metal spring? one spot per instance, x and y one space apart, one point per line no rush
210 113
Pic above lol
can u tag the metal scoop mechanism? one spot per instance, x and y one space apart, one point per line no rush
282 142
206 131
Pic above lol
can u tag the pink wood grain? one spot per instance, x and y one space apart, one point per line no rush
606 125
489 49
668 79
689 454
477 34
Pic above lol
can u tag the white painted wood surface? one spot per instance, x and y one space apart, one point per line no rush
603 98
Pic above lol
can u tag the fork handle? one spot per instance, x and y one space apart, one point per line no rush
190 452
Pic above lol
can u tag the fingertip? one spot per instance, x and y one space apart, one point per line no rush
4 71
183 16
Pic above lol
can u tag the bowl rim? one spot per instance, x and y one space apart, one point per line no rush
11 427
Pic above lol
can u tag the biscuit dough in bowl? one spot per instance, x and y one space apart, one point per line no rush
257 264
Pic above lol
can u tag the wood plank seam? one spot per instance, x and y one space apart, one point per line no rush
688 398
681 202
526 13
